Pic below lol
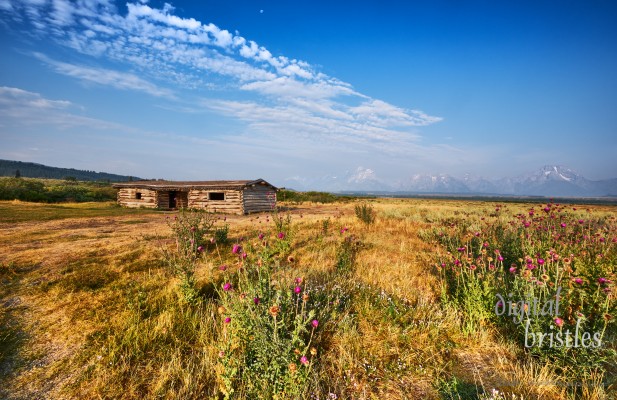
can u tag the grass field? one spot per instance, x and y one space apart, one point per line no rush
320 306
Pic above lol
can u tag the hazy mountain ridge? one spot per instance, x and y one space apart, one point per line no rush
34 170
550 180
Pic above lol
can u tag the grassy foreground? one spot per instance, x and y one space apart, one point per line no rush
332 308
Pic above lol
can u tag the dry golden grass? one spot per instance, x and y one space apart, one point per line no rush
65 284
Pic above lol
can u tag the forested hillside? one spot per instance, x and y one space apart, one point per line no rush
33 170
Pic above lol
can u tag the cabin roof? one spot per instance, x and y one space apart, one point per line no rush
186 185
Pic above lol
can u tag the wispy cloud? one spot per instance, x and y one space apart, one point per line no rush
106 77
25 108
282 94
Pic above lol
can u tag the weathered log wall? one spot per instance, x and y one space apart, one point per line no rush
198 198
128 197
162 199
258 198
182 199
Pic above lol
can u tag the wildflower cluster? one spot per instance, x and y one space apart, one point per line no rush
269 325
189 228
545 276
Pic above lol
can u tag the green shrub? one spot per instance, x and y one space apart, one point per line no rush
221 234
346 254
365 213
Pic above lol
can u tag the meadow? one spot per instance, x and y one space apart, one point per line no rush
353 299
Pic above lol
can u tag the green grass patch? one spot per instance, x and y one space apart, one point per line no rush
13 212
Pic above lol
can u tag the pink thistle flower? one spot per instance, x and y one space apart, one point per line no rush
491 266
244 255
200 249
227 287
512 270
563 225
236 249
298 280
304 360
540 261
559 322
602 281
223 267
281 235
578 281
315 323
227 320
256 300
297 289
581 221
500 258
261 236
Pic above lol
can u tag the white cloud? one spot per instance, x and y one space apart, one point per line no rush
6 5
136 11
10 96
62 13
383 114
285 86
101 76
23 108
288 96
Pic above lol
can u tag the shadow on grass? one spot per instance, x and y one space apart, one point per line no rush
459 390
12 335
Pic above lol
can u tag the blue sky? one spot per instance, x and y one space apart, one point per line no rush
282 89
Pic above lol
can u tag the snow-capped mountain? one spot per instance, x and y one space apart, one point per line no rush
550 180
365 179
477 184
442 183
360 179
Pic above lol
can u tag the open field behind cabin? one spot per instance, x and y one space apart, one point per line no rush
89 308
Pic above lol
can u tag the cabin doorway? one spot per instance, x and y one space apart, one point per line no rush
172 199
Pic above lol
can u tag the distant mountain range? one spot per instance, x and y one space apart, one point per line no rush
33 170
548 181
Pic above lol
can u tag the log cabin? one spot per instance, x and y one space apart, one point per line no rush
233 197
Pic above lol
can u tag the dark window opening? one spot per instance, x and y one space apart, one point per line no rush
216 196
138 196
